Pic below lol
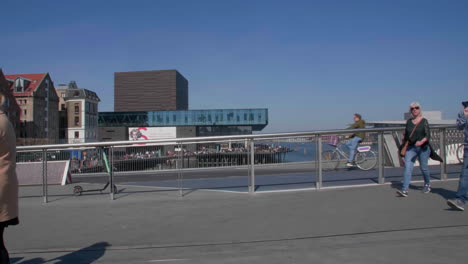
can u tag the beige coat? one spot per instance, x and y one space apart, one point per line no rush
8 179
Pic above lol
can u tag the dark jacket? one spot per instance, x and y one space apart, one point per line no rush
358 124
462 124
422 131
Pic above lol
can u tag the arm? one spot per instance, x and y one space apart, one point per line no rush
405 134
462 120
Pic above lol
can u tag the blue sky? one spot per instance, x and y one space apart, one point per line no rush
311 63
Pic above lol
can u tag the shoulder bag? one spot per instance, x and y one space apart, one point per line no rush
404 147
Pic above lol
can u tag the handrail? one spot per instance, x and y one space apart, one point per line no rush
176 141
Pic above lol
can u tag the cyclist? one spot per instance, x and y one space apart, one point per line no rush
462 193
355 139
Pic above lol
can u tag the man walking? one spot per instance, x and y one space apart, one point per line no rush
462 193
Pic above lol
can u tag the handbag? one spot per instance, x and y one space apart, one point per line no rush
403 147
434 155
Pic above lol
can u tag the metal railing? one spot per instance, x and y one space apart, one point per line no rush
245 151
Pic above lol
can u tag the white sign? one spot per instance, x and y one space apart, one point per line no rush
148 133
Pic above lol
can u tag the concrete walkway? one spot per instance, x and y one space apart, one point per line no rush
153 225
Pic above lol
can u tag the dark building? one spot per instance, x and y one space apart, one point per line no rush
165 90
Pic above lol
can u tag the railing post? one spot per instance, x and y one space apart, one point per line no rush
252 167
179 170
318 182
381 158
443 154
44 175
111 171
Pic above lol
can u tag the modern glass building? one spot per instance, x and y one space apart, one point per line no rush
213 122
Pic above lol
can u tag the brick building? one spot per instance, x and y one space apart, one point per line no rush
38 101
164 90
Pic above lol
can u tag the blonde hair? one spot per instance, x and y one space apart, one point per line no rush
416 104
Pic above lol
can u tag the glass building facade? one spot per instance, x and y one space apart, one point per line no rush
209 122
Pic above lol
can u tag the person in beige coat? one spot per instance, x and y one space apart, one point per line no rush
8 179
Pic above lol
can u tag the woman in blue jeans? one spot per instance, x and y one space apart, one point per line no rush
417 134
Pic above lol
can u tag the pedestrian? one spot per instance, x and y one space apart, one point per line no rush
355 139
462 193
8 179
417 134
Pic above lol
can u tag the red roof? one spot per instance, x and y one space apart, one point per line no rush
35 79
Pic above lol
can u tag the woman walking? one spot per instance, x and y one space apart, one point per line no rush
8 180
417 135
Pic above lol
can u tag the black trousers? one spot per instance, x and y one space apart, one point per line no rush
4 258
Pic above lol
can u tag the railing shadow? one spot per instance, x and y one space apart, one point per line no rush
85 255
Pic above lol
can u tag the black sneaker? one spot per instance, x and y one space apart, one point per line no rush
426 188
403 193
456 204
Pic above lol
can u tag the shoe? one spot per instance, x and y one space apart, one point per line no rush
350 164
456 204
403 193
426 188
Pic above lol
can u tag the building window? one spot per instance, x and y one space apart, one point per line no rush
63 107
77 108
19 85
245 117
25 112
62 95
77 120
77 134
174 118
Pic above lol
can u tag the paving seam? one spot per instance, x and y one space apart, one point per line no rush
141 247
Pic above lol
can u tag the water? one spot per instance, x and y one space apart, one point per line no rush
305 151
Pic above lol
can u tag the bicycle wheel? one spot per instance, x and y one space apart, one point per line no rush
460 153
366 160
330 160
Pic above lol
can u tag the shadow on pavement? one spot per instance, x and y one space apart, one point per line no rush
446 194
85 255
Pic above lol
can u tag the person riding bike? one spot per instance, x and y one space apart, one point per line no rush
355 139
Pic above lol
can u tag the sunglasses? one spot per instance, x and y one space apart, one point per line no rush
412 108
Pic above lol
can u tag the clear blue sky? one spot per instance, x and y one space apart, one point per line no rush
311 63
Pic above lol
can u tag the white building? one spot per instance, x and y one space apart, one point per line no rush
78 114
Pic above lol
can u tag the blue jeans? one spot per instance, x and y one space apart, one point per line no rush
352 146
413 152
462 192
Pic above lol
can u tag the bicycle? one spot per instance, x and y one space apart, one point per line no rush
365 158
460 153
